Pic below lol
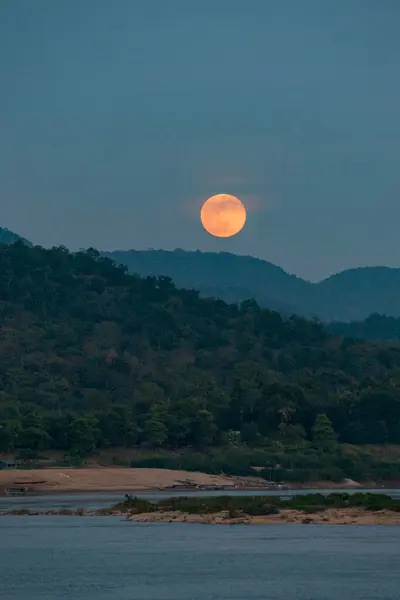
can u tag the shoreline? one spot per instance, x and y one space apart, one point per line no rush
340 508
112 480
193 490
104 480
284 517
336 516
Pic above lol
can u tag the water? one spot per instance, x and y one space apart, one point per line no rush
94 501
104 558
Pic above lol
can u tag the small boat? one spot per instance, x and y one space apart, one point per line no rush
16 491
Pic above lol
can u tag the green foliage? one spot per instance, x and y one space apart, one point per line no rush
251 505
135 505
91 357
374 327
83 434
286 464
323 433
261 505
155 430
346 296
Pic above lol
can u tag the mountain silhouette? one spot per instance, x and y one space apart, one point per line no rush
9 237
353 294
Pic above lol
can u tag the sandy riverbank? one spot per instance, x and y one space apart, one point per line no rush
346 516
122 479
110 479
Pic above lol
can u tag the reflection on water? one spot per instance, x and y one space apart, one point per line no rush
102 558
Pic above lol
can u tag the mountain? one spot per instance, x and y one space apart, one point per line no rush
231 277
9 237
355 294
91 357
350 295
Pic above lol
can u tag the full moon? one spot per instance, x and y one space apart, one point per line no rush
223 215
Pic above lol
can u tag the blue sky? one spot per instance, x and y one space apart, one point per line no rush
118 118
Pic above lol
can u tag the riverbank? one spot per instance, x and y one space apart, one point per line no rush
334 508
349 516
121 479
352 516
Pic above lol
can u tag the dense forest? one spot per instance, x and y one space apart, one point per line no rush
92 357
375 327
351 295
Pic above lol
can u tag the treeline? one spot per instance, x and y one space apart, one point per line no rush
91 357
279 461
375 327
259 505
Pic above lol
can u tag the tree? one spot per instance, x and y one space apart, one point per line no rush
294 433
84 434
118 427
323 433
203 429
250 434
5 438
10 435
92 357
155 431
35 438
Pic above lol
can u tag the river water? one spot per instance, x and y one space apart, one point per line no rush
94 501
105 558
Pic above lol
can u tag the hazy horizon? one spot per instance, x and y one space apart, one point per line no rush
118 122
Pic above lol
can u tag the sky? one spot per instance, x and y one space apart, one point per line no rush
119 118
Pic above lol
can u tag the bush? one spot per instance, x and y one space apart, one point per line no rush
134 505
260 505
29 454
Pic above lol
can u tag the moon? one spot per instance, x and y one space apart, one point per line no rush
223 215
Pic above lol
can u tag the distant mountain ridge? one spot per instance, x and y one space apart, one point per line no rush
351 295
9 237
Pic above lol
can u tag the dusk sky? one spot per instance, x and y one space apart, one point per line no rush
119 118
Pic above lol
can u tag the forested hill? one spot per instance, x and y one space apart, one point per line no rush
92 357
351 295
347 296
375 327
230 277
9 237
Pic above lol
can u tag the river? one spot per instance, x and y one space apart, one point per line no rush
94 501
105 558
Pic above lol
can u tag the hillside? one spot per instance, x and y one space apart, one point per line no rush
9 237
375 327
351 295
222 275
91 357
355 294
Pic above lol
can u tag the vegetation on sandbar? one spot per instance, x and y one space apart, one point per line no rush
259 505
233 506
